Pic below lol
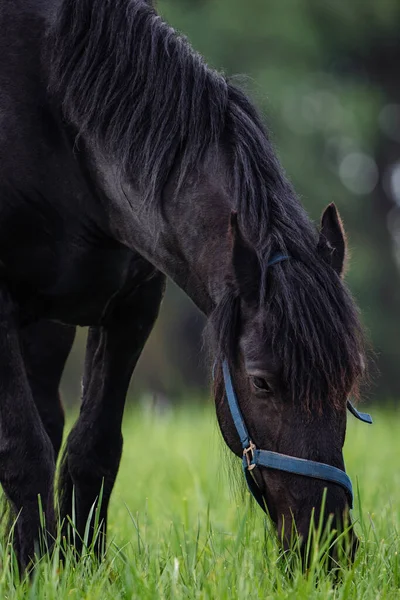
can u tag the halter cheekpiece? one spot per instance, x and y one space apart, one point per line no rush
253 457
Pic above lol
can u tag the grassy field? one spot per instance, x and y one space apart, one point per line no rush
177 530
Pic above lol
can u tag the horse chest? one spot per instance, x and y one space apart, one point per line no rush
74 286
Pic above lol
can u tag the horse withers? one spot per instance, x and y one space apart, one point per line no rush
125 159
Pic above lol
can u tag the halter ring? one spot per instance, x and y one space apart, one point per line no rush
249 459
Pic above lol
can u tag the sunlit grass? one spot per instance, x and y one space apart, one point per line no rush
177 531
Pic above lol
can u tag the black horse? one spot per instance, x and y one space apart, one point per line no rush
125 159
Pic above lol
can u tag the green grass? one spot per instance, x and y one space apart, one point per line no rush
176 529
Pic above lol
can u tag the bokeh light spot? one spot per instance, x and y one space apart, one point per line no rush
359 173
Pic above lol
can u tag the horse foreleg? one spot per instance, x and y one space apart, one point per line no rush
46 346
93 450
26 453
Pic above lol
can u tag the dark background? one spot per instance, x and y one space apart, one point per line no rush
326 76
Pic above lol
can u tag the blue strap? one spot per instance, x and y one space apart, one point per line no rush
234 407
301 466
273 460
307 468
277 258
364 417
297 466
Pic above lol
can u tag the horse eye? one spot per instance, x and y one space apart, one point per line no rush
261 385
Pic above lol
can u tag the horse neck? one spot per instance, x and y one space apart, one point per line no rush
184 235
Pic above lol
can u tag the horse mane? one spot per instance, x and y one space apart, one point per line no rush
133 86
313 332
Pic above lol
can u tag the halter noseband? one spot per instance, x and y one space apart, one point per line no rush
253 457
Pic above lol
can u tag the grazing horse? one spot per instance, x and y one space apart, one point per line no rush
124 159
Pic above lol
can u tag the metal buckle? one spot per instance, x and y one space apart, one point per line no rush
249 451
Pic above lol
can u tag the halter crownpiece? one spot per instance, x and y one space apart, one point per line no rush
277 258
253 457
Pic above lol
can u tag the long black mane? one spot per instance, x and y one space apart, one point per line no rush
130 82
136 88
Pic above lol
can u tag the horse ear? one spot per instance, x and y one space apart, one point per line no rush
246 267
332 239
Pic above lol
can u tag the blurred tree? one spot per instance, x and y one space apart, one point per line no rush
362 45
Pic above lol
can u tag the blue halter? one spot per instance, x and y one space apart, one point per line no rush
252 457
